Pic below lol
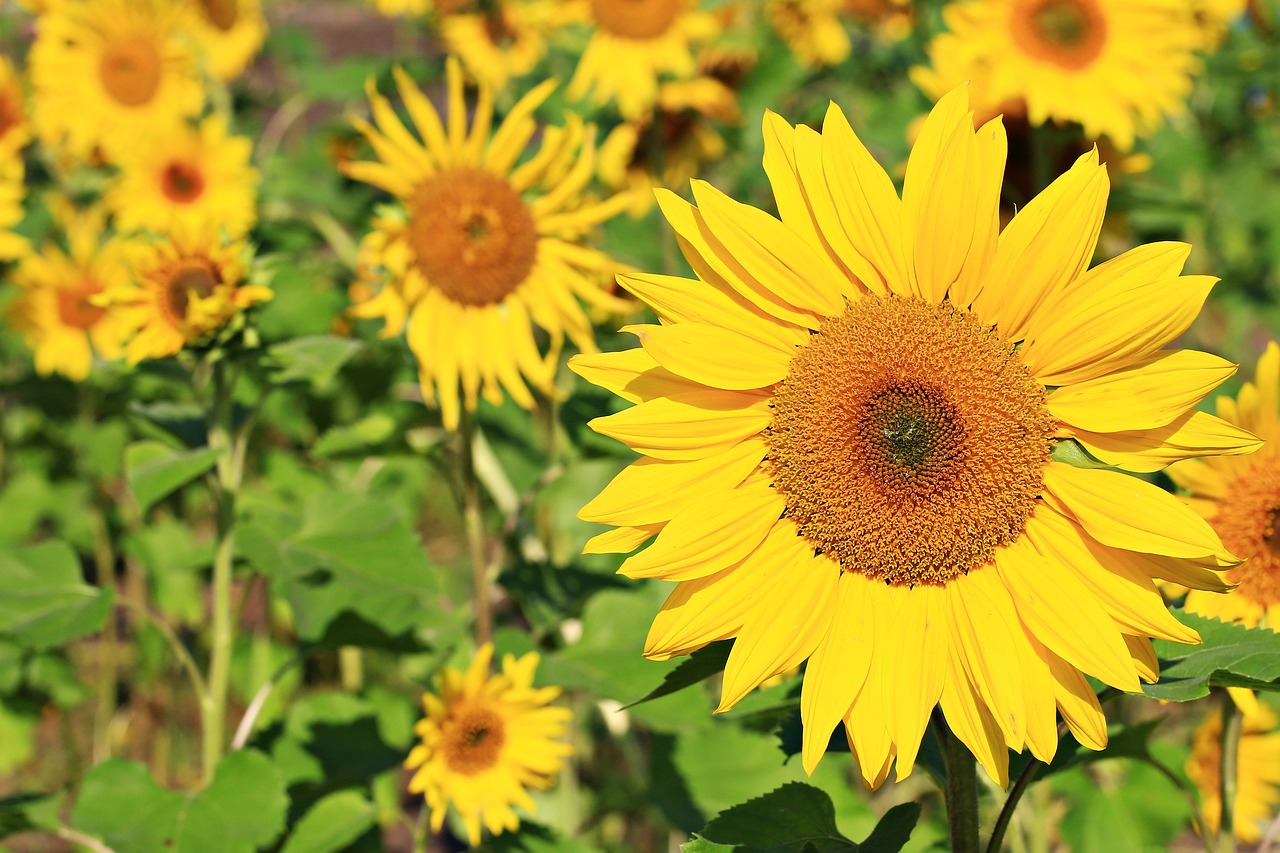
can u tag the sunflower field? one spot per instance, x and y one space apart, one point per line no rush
379 378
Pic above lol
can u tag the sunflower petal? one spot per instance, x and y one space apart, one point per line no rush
687 426
1192 435
697 351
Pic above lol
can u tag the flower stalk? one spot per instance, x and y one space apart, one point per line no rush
961 790
473 520
1232 724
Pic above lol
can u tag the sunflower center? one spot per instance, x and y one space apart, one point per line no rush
10 112
74 308
1247 521
181 183
1070 33
472 740
635 19
190 277
909 441
222 14
472 236
130 70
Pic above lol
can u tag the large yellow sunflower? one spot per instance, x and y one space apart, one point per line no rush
56 311
858 429
230 33
1116 67
478 249
184 289
633 44
1258 773
485 740
111 72
1241 499
186 178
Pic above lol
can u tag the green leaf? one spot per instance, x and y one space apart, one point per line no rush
1229 655
315 359
13 814
121 804
534 838
332 824
894 829
243 808
699 666
43 600
797 818
154 469
358 437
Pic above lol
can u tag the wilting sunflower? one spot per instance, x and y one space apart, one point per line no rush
185 289
503 41
1258 776
485 740
111 72
633 44
858 430
186 178
56 311
1241 499
479 249
230 33
1116 67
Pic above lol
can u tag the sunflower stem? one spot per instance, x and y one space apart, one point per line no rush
473 519
961 791
1020 786
1229 782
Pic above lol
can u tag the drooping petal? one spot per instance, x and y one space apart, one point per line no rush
914 667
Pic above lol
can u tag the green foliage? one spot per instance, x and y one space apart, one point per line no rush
332 824
43 600
315 359
1228 656
155 470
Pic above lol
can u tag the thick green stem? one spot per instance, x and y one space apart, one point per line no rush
473 519
1230 776
1024 780
108 646
961 791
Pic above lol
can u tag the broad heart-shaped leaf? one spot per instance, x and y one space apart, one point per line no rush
332 824
1229 655
315 359
346 561
798 818
154 469
699 666
242 809
44 601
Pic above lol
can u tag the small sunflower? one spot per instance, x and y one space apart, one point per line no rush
14 130
1241 499
184 290
485 740
478 250
499 43
57 311
633 44
186 178
230 33
812 29
857 430
1116 67
1258 774
402 8
111 72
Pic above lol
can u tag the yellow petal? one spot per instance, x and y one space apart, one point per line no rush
1147 394
948 116
971 721
1077 702
838 668
703 540
1038 694
985 634
682 300
715 356
687 426
620 540
1144 658
1125 512
1200 478
915 666
650 491
632 374
780 167
1062 613
992 150
1192 435
868 734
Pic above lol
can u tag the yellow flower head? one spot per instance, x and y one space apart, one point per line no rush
14 131
856 430
1241 499
13 137
634 43
229 32
184 289
110 73
402 8
58 311
499 43
1116 67
1258 773
479 248
485 740
186 178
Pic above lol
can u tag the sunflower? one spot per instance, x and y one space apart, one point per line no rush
1241 499
14 132
479 249
503 42
110 72
1116 67
812 29
186 178
402 8
57 312
1258 773
485 740
230 32
184 290
633 43
858 429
